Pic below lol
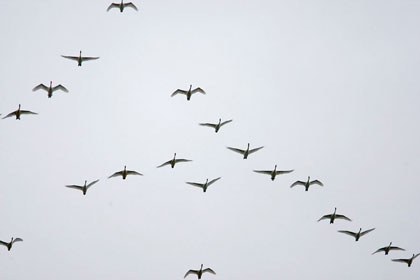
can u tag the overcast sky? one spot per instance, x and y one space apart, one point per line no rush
329 88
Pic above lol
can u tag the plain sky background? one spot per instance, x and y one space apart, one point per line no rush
330 88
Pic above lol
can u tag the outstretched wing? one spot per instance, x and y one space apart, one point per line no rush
316 182
366 231
348 232
416 256
212 181
10 115
209 124
119 173
4 243
178 91
236 150
182 160
166 163
87 58
225 122
74 187
209 270
342 217
113 5
23 112
401 260
195 184
17 240
60 87
129 4
190 272
130 172
254 150
71 57
283 171
325 217
396 248
92 183
298 183
379 250
268 172
40 86
198 90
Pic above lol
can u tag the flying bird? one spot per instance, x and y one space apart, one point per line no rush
199 272
18 113
188 92
80 58
273 173
407 261
121 6
307 184
334 216
50 89
246 152
10 244
216 126
205 185
357 235
387 249
83 188
124 173
173 161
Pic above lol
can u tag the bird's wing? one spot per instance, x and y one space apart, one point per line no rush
401 260
182 160
209 270
71 57
113 5
134 173
297 183
10 115
214 180
342 217
284 171
316 182
87 58
396 248
178 91
23 112
3 243
40 86
225 122
254 150
119 173
190 272
348 232
74 187
236 150
268 172
325 217
17 240
129 4
209 124
166 163
366 231
416 256
195 184
198 90
92 183
60 87
379 250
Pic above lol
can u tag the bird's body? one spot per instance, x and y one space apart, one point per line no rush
205 185
199 272
387 249
246 152
358 234
121 6
216 126
334 216
18 113
123 173
307 184
80 58
273 173
407 261
173 161
10 244
83 188
50 89
188 92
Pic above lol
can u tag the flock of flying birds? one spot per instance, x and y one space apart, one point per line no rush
172 162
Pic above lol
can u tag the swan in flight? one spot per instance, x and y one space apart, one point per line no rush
334 216
246 152
121 6
387 249
173 161
407 261
18 113
307 184
83 188
199 272
124 173
10 244
80 58
205 185
356 235
273 173
50 89
216 126
188 92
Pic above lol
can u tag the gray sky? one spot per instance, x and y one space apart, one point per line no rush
330 88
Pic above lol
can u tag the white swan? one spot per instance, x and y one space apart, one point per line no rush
358 234
334 216
121 6
388 248
246 152
124 173
216 126
407 261
188 92
50 89
199 272
18 113
205 185
273 173
307 184
173 161
80 58
83 188
10 244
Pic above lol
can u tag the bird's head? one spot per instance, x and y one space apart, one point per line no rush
50 83
19 106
